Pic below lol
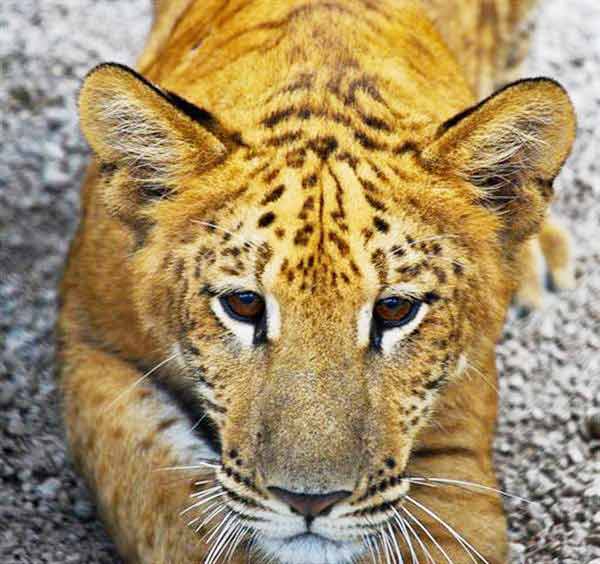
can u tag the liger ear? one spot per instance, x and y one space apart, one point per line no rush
509 148
158 136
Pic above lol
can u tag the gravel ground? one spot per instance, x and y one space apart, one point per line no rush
548 445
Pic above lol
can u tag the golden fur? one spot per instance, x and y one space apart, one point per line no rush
339 155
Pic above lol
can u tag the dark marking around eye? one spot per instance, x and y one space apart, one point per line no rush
266 219
380 224
431 297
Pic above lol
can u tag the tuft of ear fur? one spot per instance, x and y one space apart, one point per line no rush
510 147
156 135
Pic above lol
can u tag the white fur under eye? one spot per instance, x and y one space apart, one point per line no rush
390 337
243 331
273 318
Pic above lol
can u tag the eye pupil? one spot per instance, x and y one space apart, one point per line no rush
394 311
247 297
244 306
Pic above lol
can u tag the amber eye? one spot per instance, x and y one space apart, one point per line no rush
395 311
244 306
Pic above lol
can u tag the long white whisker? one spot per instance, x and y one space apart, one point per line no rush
217 530
224 538
393 540
195 425
235 542
205 493
387 546
468 547
465 484
427 534
219 509
202 502
366 538
206 510
140 380
406 536
424 549
471 366
199 466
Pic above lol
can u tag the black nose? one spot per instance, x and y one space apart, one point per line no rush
309 505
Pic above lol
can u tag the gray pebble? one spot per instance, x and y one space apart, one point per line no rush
592 424
8 390
49 488
83 509
15 425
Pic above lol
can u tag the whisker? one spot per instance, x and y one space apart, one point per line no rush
235 542
392 537
387 546
366 538
224 538
424 549
481 374
199 466
201 502
195 425
427 534
205 511
140 380
221 506
400 522
219 228
422 480
459 538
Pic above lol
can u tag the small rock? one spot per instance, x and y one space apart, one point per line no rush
592 424
592 494
16 426
83 509
575 454
49 488
54 175
8 390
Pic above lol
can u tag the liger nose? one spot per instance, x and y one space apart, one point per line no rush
309 505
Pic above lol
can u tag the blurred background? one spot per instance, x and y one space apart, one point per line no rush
548 444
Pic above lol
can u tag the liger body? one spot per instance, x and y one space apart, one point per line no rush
300 236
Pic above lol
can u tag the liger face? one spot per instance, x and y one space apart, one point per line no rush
317 321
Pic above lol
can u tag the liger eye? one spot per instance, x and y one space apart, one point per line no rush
395 311
244 306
